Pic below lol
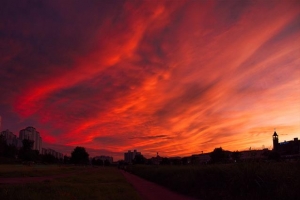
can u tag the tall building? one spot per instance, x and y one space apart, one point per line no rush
30 133
11 139
129 156
9 136
275 142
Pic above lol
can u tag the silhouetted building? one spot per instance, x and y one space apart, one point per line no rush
52 152
253 154
129 156
275 142
156 160
30 133
287 147
11 139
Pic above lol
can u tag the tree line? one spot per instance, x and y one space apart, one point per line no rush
217 156
26 154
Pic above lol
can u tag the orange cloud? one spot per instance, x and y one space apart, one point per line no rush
177 78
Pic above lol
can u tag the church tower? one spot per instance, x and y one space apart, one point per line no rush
275 141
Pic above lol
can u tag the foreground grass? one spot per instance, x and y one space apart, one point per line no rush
99 183
35 170
230 181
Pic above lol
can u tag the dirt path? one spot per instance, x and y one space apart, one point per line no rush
152 191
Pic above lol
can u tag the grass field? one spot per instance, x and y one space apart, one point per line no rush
83 183
228 181
35 170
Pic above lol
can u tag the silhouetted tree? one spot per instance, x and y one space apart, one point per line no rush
139 159
11 151
3 145
97 162
219 156
26 153
149 161
67 159
122 164
48 158
106 163
27 144
93 161
79 156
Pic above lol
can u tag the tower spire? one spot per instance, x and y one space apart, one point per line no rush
275 141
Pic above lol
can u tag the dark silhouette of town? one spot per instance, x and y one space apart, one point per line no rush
287 150
28 147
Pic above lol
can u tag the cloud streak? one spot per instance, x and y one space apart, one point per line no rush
171 77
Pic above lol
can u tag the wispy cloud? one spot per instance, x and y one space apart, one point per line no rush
175 77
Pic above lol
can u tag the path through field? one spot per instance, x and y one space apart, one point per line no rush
147 190
151 191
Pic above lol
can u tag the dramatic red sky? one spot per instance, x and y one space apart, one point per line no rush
174 77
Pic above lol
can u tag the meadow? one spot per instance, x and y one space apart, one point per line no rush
80 183
19 170
228 181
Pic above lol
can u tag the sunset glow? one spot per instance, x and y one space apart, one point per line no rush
174 77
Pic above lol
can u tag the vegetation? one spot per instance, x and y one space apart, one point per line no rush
219 156
82 183
26 153
97 162
7 151
9 171
236 156
139 159
79 156
262 180
9 154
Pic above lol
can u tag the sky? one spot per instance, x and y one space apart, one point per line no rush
174 77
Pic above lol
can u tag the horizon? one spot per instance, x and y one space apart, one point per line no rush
120 155
174 77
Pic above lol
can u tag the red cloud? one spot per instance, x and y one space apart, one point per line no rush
170 77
